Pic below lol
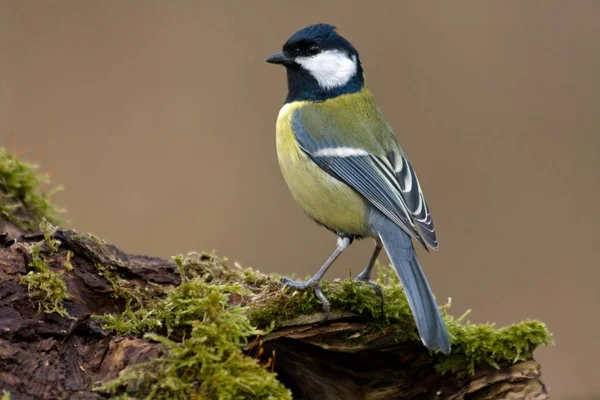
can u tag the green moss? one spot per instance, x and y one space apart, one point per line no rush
5 395
95 238
120 288
68 266
480 344
49 229
178 309
179 260
135 294
91 236
48 287
355 297
21 199
472 344
208 363
134 321
248 299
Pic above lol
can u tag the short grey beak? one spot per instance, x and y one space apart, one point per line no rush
279 58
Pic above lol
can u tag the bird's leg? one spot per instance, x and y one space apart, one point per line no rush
315 282
365 275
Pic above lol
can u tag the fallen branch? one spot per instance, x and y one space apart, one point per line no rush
79 318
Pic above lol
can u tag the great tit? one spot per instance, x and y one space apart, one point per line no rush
345 169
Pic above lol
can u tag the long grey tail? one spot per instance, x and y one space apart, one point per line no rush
426 313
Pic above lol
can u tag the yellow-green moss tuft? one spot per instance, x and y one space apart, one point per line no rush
48 287
120 287
49 229
480 344
67 264
208 363
21 198
49 290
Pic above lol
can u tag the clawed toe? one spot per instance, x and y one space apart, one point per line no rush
324 302
377 288
318 292
298 285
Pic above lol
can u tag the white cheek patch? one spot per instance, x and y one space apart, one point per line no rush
331 68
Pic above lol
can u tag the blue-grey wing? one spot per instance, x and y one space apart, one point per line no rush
389 186
414 198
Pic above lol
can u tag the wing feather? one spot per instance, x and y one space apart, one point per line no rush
415 200
389 183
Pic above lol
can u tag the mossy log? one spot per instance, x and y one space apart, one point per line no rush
81 319
52 356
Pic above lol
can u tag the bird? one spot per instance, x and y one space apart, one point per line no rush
346 170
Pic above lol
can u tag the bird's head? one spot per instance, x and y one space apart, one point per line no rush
320 64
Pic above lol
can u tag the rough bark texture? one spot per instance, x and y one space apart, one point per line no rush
316 364
49 356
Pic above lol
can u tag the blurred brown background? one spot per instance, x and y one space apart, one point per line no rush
159 119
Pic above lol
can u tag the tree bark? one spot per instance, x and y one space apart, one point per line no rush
44 356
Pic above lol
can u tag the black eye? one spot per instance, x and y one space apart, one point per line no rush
313 50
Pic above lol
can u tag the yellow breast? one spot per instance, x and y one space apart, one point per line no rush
322 197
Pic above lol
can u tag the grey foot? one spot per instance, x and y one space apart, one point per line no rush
378 290
315 285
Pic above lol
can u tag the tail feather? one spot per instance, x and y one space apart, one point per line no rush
426 313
